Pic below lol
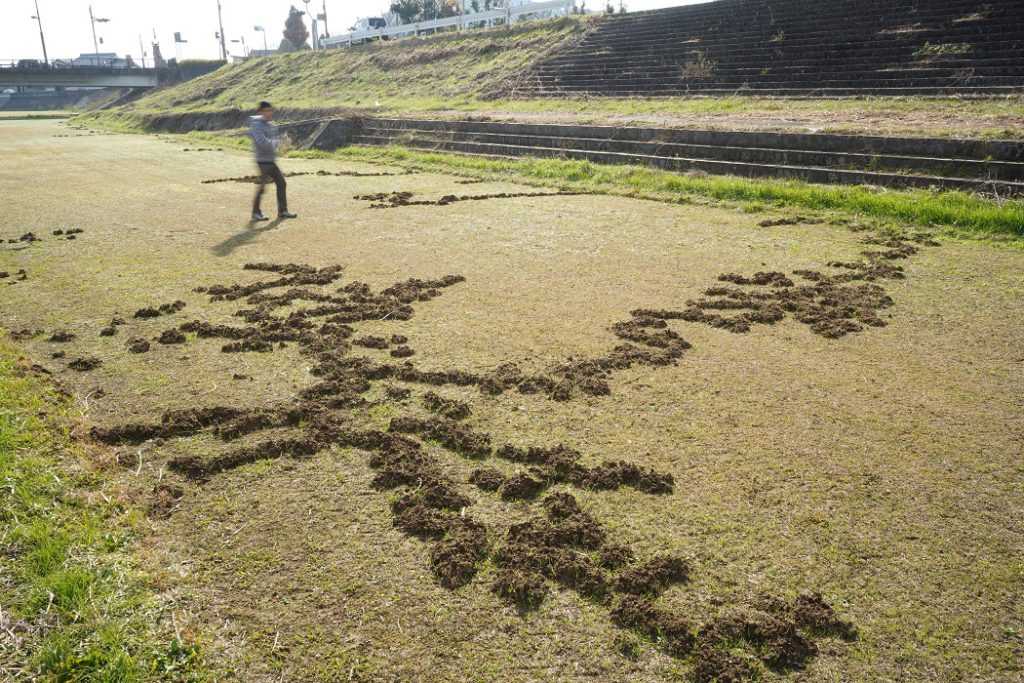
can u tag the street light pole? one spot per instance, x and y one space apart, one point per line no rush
326 32
96 46
264 32
95 43
42 39
223 45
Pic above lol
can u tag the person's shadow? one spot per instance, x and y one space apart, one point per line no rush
253 229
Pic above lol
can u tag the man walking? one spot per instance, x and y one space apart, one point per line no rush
265 142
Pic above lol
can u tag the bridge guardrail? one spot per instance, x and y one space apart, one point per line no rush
95 65
461 21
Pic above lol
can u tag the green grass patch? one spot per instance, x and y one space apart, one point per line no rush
73 605
26 116
960 211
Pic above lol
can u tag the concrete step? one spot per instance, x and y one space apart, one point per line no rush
793 46
793 78
979 150
889 29
806 173
964 168
863 52
1006 67
772 93
679 85
885 35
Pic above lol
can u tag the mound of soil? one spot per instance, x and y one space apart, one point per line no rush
137 345
562 465
795 220
371 342
424 522
109 331
639 614
293 174
172 423
162 309
25 333
61 337
85 364
654 576
449 408
487 479
397 393
551 549
524 589
390 200
456 558
448 433
27 237
521 486
171 336
614 556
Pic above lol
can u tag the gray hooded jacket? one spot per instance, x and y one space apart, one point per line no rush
264 139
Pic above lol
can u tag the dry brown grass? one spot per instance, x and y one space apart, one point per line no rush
882 469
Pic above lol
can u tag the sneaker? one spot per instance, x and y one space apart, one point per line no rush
258 216
287 214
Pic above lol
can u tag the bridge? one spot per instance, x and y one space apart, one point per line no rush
41 75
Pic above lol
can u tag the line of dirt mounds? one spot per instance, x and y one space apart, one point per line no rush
567 547
162 309
30 237
391 200
321 173
831 304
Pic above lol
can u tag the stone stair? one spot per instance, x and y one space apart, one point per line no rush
990 166
793 47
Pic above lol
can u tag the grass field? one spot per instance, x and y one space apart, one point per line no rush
848 445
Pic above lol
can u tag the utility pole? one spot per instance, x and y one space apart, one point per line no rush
142 51
326 32
42 39
95 44
223 45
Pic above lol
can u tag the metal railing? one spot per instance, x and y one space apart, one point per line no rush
87 63
461 21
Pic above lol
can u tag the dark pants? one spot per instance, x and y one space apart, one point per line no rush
268 172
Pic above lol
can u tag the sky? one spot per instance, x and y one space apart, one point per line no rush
68 31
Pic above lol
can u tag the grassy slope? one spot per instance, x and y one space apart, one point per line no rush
458 74
453 67
72 608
